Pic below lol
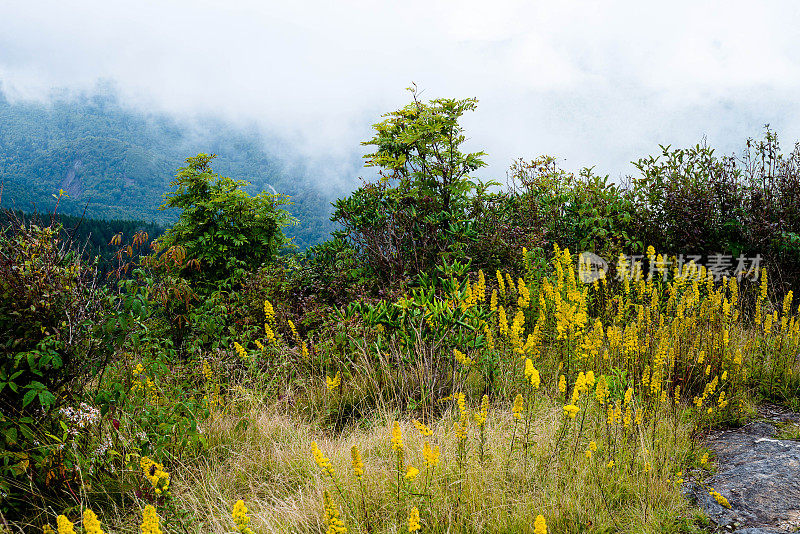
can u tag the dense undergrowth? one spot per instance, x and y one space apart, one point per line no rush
482 379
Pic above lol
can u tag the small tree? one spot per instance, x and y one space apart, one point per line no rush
222 228
415 213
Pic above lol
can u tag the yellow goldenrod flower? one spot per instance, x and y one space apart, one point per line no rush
323 462
704 459
334 382
539 525
150 521
154 472
90 522
536 380
207 373
269 312
332 521
647 467
240 517
64 525
602 390
610 464
397 437
431 455
516 410
461 358
480 417
413 520
571 410
411 473
260 345
240 351
47 529
358 463
502 321
294 330
528 368
719 498
269 333
590 380
562 384
524 299
423 430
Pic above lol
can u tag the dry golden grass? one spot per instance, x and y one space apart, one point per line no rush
262 454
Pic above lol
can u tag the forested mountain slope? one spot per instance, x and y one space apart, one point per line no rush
116 163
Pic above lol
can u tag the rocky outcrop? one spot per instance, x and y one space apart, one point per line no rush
758 474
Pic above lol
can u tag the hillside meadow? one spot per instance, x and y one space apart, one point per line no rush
457 357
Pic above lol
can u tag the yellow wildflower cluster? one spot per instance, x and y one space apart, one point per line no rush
482 414
462 425
413 520
269 322
240 517
539 525
423 430
334 382
461 358
240 351
431 455
150 521
323 462
518 407
332 521
532 374
397 438
90 522
719 498
64 525
358 463
155 474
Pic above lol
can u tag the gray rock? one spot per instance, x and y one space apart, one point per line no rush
760 477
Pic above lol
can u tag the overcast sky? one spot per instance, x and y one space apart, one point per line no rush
594 83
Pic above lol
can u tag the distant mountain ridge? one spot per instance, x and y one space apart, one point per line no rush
116 163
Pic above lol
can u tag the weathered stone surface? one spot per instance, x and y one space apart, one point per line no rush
760 477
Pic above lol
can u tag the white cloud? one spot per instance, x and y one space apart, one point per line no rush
593 82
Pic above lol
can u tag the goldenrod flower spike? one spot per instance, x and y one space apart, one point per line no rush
413 520
539 525
411 473
334 382
719 498
358 463
240 517
150 521
397 437
431 455
332 521
90 522
423 430
64 525
516 410
323 462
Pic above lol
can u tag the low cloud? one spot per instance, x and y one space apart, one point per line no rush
594 83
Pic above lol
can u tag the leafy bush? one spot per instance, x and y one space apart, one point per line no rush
222 229
53 341
404 223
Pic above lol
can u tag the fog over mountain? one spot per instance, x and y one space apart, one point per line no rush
594 83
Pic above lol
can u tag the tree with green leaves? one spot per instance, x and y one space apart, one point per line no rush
415 213
222 229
